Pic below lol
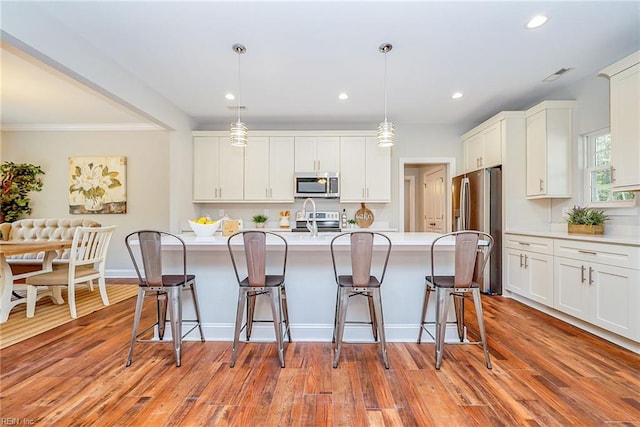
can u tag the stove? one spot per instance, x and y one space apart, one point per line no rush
327 221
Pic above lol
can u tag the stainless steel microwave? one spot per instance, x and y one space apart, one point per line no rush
322 185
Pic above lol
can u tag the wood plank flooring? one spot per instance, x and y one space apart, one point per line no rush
545 373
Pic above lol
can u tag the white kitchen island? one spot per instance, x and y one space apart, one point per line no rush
311 288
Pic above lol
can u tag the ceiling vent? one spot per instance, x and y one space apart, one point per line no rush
556 75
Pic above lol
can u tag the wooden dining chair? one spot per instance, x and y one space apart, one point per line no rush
87 259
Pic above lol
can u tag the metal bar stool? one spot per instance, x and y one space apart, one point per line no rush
167 288
472 250
359 282
257 282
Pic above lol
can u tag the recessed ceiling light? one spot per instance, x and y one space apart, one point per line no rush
343 96
536 21
230 96
457 95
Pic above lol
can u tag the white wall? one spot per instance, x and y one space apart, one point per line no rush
148 177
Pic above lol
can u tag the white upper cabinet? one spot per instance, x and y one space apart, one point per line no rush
483 148
624 83
365 170
548 152
218 170
317 153
269 169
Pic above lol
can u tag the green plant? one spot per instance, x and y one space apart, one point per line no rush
17 180
351 221
585 216
259 219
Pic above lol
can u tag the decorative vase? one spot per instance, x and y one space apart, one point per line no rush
93 204
585 229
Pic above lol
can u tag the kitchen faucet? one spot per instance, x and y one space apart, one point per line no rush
312 228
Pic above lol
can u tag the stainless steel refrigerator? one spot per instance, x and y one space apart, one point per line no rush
477 205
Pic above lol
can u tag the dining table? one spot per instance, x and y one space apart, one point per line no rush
8 298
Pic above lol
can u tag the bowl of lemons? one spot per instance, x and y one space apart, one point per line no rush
204 226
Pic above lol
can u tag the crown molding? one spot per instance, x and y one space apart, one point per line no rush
85 127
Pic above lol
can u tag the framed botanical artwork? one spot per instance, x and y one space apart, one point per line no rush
97 185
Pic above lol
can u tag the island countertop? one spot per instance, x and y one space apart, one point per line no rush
311 287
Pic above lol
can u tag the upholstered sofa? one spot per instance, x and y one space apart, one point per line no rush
35 230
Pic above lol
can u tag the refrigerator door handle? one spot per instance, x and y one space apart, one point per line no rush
465 200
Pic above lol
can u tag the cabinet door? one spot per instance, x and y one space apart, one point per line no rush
571 287
625 129
378 172
305 153
615 296
230 167
281 168
256 161
473 153
352 169
539 276
536 154
492 146
515 272
328 153
205 170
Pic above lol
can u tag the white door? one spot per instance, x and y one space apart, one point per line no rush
434 201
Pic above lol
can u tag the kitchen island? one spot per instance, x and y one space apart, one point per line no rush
311 288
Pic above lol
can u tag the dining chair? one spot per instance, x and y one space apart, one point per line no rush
471 254
145 250
87 259
354 278
260 272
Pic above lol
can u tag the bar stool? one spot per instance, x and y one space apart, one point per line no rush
167 288
359 282
257 282
472 250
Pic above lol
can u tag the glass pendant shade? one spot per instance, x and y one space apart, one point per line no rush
238 134
386 134
238 131
385 129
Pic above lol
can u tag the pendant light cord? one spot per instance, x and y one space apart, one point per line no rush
239 86
385 85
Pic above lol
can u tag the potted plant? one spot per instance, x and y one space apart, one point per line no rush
584 220
259 220
352 223
17 180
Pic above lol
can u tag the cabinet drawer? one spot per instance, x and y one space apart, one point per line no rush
539 245
618 255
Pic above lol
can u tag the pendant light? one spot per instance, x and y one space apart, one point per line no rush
385 129
239 129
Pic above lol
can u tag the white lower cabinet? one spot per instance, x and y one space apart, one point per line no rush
604 294
529 267
598 283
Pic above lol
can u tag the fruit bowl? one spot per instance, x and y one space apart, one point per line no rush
204 230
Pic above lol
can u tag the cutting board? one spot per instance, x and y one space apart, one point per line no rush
364 216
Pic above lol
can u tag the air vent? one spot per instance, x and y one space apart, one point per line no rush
556 75
235 108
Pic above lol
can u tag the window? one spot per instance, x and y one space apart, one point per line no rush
598 189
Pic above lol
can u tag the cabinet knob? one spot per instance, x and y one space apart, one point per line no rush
521 261
582 269
590 276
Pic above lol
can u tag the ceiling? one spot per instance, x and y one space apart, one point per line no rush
301 55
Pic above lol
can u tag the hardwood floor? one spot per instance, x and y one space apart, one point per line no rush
545 372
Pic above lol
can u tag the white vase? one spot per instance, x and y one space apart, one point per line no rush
91 204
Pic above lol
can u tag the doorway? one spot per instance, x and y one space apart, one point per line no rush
420 202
